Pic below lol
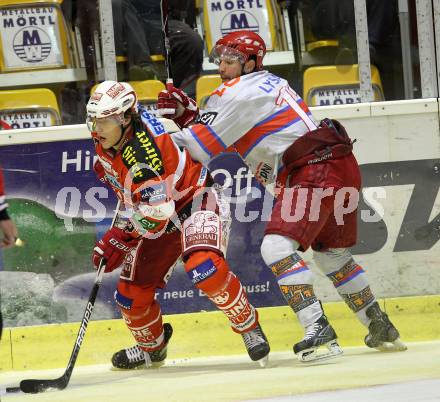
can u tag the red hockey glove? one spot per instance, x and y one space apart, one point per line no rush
100 172
176 105
114 246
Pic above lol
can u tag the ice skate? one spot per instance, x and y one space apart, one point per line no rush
320 333
256 345
382 334
135 357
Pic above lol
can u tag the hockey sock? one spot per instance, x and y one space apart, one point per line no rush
349 280
293 276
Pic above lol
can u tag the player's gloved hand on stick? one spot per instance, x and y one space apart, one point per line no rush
176 105
113 246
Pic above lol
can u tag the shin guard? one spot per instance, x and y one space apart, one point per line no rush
210 273
141 314
293 276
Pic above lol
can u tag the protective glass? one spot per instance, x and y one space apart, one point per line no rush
224 53
104 124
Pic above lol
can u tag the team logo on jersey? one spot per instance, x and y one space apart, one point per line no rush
263 172
106 164
207 118
32 45
113 181
153 124
155 194
202 176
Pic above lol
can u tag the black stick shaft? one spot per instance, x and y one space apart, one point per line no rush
82 331
166 37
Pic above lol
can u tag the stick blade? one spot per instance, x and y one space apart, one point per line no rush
37 386
12 389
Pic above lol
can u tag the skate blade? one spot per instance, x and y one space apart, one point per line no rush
264 361
153 365
312 354
395 346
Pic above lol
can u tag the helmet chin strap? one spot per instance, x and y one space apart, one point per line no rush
124 131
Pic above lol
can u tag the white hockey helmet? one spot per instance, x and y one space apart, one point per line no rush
111 98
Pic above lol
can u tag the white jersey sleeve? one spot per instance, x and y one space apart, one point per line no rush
241 113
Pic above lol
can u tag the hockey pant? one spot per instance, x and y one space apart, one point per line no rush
295 279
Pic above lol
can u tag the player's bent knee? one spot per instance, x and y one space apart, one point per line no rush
294 274
332 259
285 263
207 270
133 300
275 247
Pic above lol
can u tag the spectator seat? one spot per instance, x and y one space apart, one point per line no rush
337 85
205 85
28 108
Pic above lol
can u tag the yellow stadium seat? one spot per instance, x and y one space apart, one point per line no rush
147 91
318 44
205 85
34 36
153 57
28 108
337 85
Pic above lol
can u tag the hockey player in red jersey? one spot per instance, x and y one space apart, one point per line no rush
172 210
308 166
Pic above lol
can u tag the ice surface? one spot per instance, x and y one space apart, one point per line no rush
360 375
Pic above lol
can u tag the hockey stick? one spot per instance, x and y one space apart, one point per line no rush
166 38
36 386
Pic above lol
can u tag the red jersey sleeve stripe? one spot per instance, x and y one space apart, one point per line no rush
208 137
274 123
304 106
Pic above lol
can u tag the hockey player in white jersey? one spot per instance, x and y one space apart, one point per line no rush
310 168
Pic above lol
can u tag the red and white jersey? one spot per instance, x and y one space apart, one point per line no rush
151 175
258 114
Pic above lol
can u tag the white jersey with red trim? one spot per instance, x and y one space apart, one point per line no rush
258 114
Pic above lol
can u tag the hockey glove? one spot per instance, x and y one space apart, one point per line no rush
100 172
176 105
113 246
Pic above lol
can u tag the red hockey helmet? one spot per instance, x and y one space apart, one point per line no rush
242 45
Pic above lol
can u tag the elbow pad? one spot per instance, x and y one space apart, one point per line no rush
152 219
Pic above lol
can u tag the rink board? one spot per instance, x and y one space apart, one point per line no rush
206 334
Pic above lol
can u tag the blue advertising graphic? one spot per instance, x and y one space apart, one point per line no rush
61 209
